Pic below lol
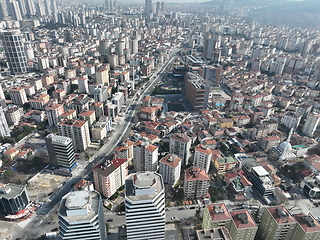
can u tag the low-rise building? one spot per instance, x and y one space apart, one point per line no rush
225 164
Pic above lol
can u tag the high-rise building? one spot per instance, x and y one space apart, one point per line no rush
202 157
134 47
102 77
4 129
3 10
18 96
276 223
216 215
13 46
109 176
30 7
64 152
81 216
61 152
242 225
145 156
77 130
196 183
180 144
208 48
13 198
170 168
163 7
311 124
14 10
22 7
120 46
47 6
125 150
197 91
145 206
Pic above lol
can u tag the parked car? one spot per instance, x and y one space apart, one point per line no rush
110 220
181 208
173 218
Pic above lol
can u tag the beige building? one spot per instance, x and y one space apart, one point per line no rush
169 168
180 144
88 115
98 132
196 183
125 150
77 130
145 156
53 112
102 77
18 96
109 176
202 157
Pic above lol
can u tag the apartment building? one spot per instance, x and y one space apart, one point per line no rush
77 130
109 176
196 182
311 124
18 96
276 223
169 168
261 179
242 225
202 157
308 228
180 144
225 164
145 156
125 150
216 216
53 111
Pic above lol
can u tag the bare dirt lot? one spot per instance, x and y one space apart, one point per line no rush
44 185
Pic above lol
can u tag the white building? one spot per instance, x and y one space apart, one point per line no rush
81 216
311 124
83 85
145 206
12 44
77 130
202 157
13 115
145 156
18 96
169 168
291 120
118 100
4 129
180 144
53 112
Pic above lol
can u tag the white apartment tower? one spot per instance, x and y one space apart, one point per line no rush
81 216
311 124
145 206
14 50
18 96
145 156
202 157
77 130
180 144
4 129
169 168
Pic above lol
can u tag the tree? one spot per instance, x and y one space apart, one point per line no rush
213 198
8 173
37 161
74 87
5 158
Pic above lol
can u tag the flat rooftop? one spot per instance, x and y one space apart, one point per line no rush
12 189
215 233
149 183
79 200
242 219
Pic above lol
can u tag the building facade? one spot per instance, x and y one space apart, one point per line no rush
180 144
145 156
81 216
169 168
196 183
202 157
145 206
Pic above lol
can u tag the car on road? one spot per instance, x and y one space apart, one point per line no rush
168 209
110 220
173 218
181 208
316 204
54 229
192 207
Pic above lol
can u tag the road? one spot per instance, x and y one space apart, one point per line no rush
37 220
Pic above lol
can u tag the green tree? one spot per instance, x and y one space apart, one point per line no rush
37 161
5 158
74 87
214 198
8 173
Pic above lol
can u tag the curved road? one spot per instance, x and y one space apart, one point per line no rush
37 222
